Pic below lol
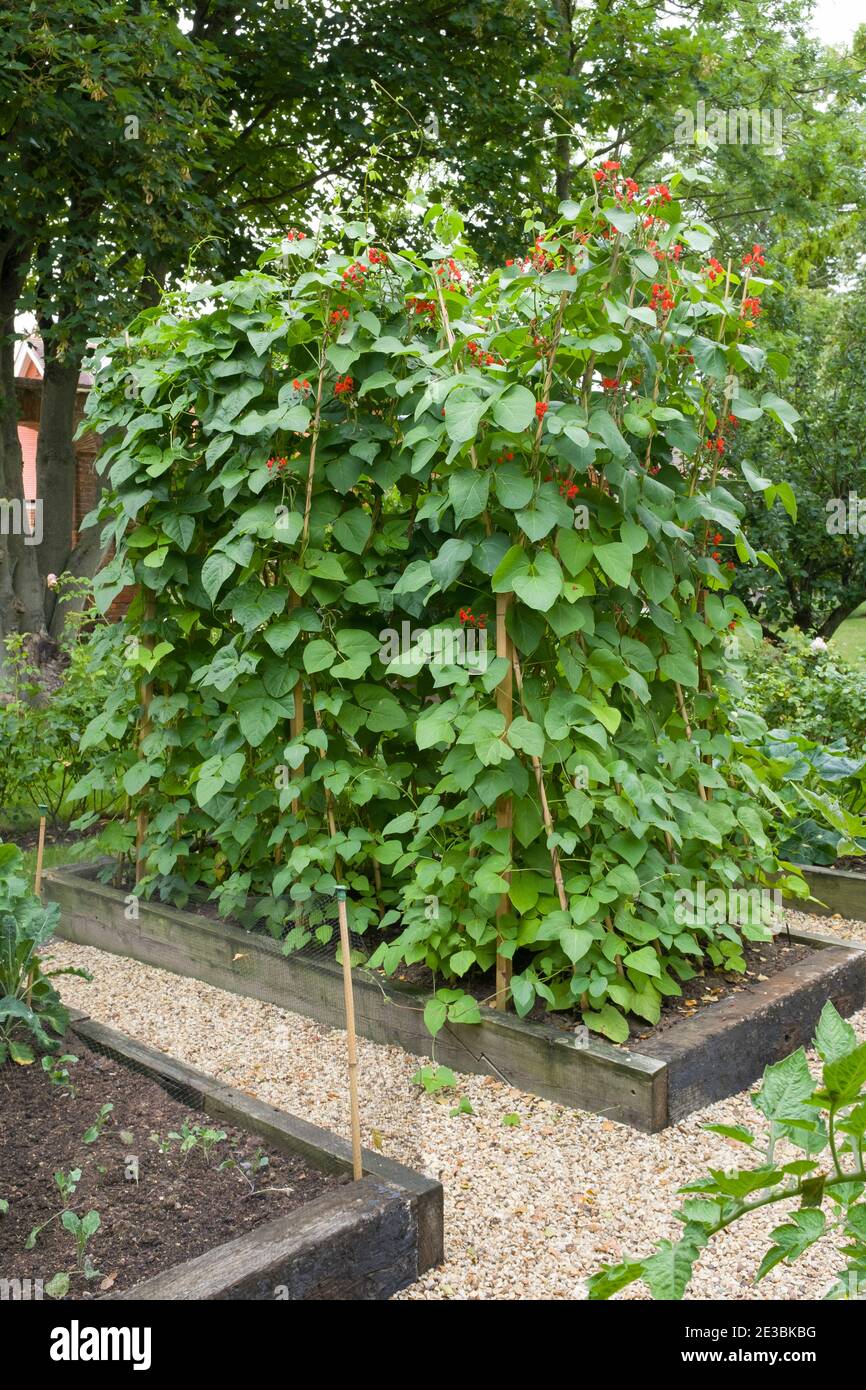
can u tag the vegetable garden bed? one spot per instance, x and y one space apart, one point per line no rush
362 1240
649 1085
837 891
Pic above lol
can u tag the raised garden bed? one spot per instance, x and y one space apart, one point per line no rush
294 1227
839 892
650 1084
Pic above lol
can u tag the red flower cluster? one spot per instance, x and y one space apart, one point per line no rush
716 540
502 458
662 299
337 314
659 191
343 385
566 489
294 235
717 444
751 306
608 167
540 409
713 270
755 256
376 256
300 385
278 463
424 306
354 274
468 617
627 193
610 383
455 282
482 358
541 261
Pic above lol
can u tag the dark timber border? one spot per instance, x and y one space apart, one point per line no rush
648 1085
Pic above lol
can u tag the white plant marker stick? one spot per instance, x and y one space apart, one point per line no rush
351 1041
40 850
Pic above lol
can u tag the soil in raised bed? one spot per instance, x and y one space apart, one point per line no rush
181 1205
708 987
853 863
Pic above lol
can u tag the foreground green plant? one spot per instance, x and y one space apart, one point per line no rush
82 1229
94 1131
823 1189
29 1003
66 1184
377 442
41 730
203 1138
57 1071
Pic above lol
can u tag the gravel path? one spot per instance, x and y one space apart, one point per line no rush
531 1209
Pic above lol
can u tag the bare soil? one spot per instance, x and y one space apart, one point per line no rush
179 1206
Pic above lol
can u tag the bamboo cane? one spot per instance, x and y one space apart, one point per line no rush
144 729
351 1040
40 850
681 702
542 796
504 805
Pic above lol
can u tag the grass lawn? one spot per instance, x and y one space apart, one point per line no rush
850 637
55 855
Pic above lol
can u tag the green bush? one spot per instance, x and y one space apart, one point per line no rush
41 731
380 442
29 1004
806 688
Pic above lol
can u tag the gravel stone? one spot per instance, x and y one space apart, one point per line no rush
531 1210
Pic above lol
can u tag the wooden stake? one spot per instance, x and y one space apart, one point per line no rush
144 729
681 701
297 724
351 1040
40 850
542 796
505 805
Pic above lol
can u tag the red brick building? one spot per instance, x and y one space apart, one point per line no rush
29 371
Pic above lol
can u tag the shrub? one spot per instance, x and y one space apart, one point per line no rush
41 729
306 466
807 688
29 1003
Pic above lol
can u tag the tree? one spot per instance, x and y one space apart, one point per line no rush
254 118
105 110
821 553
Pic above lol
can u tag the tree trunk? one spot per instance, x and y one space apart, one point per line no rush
55 462
21 588
835 619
